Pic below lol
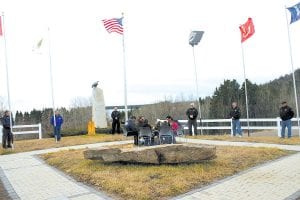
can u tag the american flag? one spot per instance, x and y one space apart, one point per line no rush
113 25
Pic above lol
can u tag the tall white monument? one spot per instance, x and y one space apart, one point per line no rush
99 113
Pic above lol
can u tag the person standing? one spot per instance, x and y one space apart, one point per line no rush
7 137
286 114
235 115
57 121
192 114
115 115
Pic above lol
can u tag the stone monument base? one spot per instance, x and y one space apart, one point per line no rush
160 154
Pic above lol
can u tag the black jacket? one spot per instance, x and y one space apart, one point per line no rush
115 115
192 113
286 113
235 113
131 126
6 122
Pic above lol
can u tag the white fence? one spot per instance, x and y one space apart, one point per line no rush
205 124
38 130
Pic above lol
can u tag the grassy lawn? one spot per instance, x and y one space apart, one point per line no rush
31 145
159 182
262 139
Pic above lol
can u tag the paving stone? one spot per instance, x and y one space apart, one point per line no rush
30 178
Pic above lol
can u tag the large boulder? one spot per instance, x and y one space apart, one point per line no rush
162 154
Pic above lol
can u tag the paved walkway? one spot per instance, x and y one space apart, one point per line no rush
25 176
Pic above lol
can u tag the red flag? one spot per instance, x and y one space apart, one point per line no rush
1 27
247 29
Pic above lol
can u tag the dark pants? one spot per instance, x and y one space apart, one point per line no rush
7 138
114 124
135 138
57 134
192 122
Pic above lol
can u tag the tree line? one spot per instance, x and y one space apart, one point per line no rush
263 100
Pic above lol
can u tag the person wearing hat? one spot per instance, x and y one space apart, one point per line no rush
192 114
286 114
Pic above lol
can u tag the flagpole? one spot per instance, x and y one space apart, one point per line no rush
125 77
7 73
293 73
51 80
246 94
198 99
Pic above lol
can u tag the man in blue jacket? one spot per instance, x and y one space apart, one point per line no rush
56 121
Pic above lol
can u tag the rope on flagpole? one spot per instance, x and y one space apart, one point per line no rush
7 72
293 73
125 76
246 93
51 81
197 90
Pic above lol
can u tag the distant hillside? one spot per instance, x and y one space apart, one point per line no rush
263 100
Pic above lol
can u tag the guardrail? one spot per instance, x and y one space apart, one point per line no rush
229 127
38 126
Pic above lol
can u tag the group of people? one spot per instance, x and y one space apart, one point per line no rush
134 124
285 112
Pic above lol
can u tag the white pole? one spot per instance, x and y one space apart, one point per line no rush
293 73
246 94
51 81
197 91
7 73
125 79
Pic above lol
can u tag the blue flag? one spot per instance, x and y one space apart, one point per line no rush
295 12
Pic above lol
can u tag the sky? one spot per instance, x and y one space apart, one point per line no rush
158 58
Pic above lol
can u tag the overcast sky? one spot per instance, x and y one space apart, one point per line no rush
159 60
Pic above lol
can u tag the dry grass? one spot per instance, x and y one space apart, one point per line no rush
261 139
159 182
31 145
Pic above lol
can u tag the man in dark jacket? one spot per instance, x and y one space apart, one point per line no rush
192 114
7 137
235 115
115 115
286 114
56 121
132 129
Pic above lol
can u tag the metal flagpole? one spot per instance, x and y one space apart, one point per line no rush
293 73
7 73
198 99
246 94
125 79
51 80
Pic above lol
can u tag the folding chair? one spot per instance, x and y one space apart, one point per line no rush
166 135
180 133
146 134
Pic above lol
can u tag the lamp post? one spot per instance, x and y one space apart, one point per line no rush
194 39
